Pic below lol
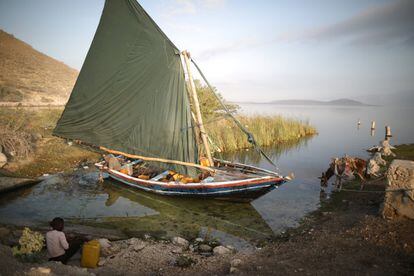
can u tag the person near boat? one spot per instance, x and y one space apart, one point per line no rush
58 248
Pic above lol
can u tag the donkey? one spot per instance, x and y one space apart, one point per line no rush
344 167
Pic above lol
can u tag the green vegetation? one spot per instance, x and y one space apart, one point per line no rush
227 136
405 151
267 130
26 135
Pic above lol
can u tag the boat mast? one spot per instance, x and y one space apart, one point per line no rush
199 121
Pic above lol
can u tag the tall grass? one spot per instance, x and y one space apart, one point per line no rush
267 130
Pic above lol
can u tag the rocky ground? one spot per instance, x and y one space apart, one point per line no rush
345 236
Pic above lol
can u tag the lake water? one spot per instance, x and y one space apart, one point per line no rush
79 199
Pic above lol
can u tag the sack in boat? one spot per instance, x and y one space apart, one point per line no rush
113 162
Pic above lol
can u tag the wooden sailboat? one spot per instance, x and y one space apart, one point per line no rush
131 99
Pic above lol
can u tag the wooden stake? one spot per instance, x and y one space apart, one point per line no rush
387 132
157 159
186 56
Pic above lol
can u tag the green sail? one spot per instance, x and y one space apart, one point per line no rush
130 94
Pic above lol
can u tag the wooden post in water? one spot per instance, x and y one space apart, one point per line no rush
373 125
387 132
204 138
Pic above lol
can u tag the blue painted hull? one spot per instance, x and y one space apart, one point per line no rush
244 190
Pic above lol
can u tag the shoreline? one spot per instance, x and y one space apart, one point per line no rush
345 235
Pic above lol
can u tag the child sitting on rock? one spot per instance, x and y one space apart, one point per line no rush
58 248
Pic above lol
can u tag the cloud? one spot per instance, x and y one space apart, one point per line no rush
179 7
380 25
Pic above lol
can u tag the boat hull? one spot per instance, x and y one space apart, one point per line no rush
238 190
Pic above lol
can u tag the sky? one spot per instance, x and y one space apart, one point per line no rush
253 50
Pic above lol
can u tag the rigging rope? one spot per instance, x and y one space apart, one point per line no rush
250 137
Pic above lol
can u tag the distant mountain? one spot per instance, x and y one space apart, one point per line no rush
342 102
30 77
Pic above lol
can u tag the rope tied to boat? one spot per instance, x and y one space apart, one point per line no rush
250 137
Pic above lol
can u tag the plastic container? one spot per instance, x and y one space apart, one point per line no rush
90 254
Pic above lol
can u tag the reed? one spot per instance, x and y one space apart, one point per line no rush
267 130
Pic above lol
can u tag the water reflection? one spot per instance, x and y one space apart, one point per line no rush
80 199
186 216
250 156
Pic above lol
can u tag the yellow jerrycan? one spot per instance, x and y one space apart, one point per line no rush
90 254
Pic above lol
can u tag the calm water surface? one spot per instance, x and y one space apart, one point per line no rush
79 198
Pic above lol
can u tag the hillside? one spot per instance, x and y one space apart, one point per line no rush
29 77
342 102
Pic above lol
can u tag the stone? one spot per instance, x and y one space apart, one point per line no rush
221 250
177 250
205 248
39 271
102 261
234 270
236 262
104 243
400 180
184 261
36 136
136 244
181 242
199 240
3 160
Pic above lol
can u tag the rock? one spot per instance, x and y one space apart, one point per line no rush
102 261
138 247
199 240
184 261
400 176
136 244
39 271
233 270
105 243
12 183
3 160
36 136
221 250
177 250
9 152
205 248
231 248
181 242
236 262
